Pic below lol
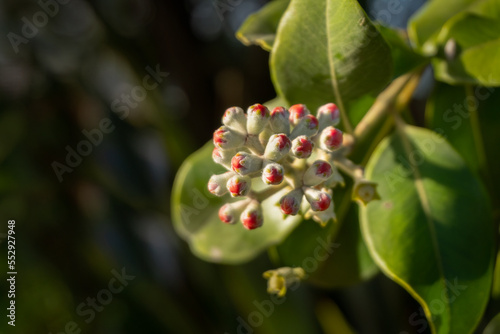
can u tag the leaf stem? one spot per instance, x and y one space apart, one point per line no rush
397 95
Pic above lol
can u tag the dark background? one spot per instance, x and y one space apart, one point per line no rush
111 212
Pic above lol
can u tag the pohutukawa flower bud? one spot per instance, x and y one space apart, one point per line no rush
331 139
245 163
230 213
236 119
279 121
302 147
365 191
277 147
323 217
297 112
252 216
257 118
239 185
226 139
319 171
319 200
328 115
290 203
308 126
223 157
217 183
273 174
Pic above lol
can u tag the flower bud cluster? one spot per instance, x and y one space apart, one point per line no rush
285 148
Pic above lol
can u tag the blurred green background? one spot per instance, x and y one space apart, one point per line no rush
81 222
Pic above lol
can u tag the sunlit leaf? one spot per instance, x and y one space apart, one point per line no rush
432 230
195 215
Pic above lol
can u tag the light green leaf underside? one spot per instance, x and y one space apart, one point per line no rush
195 216
473 27
432 230
260 27
324 46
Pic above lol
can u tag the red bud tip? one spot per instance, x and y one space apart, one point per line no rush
219 137
331 138
238 185
311 122
278 112
302 147
297 112
258 109
236 162
273 174
290 203
323 168
251 220
330 112
224 214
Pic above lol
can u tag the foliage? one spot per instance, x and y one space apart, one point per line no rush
434 229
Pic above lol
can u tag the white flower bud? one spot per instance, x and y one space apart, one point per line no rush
217 183
319 171
226 139
331 139
279 121
257 118
245 163
235 119
277 147
307 126
252 216
319 200
328 115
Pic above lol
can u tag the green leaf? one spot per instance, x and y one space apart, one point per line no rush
464 43
404 57
425 26
432 231
195 215
326 49
260 27
447 114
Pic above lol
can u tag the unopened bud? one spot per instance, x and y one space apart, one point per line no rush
230 213
290 203
257 118
323 217
223 157
217 183
273 174
280 120
308 126
226 139
277 147
245 163
239 185
319 200
328 115
282 278
252 216
365 191
302 147
236 119
319 171
331 139
297 112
